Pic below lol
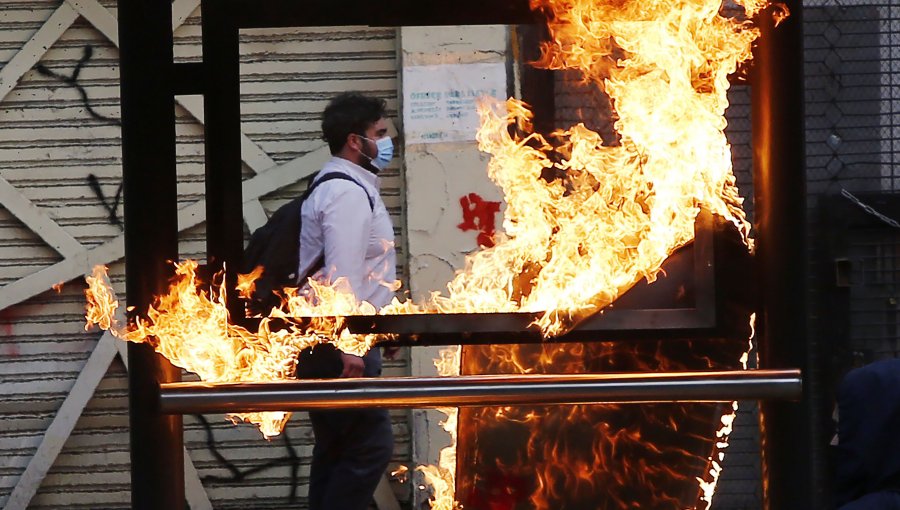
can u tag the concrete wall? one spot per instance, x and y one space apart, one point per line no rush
437 176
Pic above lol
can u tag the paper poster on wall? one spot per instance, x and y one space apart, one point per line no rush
439 100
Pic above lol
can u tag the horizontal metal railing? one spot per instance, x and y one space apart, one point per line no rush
481 390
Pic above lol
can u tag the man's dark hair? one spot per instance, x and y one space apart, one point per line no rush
350 112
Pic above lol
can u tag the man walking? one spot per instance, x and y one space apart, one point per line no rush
346 232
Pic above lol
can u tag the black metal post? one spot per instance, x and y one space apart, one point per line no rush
789 459
538 85
151 239
222 148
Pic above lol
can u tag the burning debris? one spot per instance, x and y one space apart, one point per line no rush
665 69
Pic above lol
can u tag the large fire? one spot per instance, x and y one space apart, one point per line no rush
665 68
570 247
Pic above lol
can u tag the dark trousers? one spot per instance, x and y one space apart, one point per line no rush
352 451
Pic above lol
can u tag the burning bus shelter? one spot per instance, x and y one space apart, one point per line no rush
150 80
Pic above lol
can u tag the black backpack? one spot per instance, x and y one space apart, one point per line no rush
276 247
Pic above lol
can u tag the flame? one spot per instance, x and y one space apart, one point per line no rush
246 284
574 244
442 478
190 326
708 487
621 209
400 474
715 469
570 245
780 12
101 301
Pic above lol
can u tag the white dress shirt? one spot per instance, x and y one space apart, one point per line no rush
357 242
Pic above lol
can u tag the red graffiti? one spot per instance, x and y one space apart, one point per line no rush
479 214
7 319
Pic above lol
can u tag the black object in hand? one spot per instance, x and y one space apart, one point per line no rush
322 361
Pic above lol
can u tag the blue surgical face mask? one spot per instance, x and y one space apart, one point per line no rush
385 148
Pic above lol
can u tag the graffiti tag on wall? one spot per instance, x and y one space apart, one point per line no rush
480 215
238 475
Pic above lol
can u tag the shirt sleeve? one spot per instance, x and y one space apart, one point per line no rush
346 221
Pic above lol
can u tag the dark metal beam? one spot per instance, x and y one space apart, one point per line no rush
311 13
790 459
222 148
537 85
151 239
480 390
188 79
518 328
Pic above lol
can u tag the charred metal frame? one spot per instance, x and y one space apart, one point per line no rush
149 81
644 313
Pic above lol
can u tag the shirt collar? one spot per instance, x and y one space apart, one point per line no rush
356 171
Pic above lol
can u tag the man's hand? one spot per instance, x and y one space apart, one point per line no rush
353 365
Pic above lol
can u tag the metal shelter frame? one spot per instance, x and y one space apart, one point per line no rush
149 82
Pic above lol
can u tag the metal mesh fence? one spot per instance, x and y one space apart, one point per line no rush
853 150
875 279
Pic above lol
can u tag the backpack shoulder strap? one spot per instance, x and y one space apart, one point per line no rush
336 175
274 246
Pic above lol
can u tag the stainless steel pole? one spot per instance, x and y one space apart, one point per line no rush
480 390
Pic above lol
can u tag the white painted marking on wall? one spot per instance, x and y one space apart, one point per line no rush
37 220
58 22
